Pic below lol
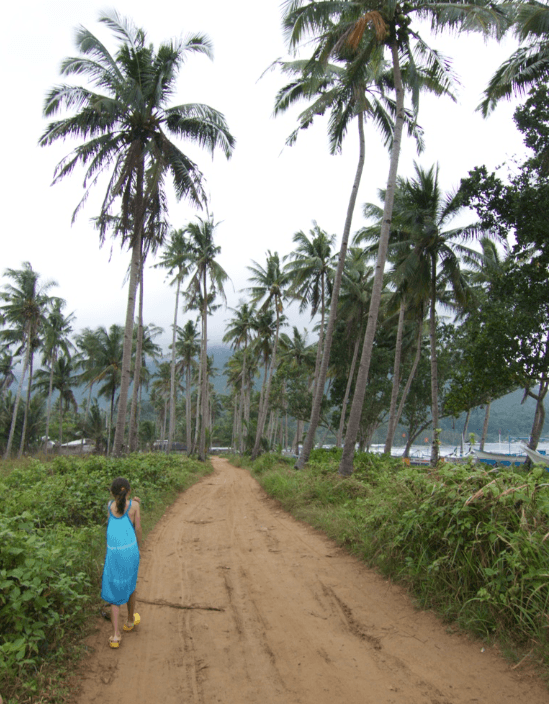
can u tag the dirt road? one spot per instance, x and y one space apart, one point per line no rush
241 604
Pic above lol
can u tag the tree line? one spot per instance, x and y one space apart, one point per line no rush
382 296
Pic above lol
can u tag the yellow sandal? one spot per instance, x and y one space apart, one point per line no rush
136 622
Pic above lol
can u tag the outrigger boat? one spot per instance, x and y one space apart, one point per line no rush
500 458
536 457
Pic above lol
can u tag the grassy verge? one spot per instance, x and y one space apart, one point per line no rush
52 544
468 542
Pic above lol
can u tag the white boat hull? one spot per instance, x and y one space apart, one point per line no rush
500 458
536 457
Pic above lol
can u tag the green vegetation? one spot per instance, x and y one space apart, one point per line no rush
52 542
467 542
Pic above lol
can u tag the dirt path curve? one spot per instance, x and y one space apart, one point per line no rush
241 604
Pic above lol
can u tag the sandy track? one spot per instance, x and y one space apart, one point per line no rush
241 604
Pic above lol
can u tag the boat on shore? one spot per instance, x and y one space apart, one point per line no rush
537 457
504 459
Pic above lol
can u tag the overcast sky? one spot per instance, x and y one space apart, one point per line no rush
261 196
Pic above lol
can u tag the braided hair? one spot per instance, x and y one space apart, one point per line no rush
120 488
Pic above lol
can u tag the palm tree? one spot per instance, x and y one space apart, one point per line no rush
433 261
408 298
57 329
238 333
144 346
187 348
203 266
93 427
160 393
362 28
270 287
62 380
300 360
106 358
175 259
356 87
25 308
311 272
123 129
86 361
528 66
356 292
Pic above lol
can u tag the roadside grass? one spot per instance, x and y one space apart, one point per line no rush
52 546
469 542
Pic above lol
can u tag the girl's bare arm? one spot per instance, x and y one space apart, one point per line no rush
137 523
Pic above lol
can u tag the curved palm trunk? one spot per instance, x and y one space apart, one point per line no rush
17 402
171 428
265 408
27 406
204 365
320 338
111 418
60 420
50 393
242 403
198 406
130 313
411 375
319 387
347 393
134 422
434 362
396 382
346 464
188 410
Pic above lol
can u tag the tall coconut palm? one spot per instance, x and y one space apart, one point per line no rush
86 361
270 288
57 329
124 131
160 394
207 280
107 352
356 292
175 259
355 87
188 348
311 269
362 27
25 307
238 333
144 347
408 299
62 379
435 256
300 360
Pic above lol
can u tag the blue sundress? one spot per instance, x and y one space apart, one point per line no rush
121 560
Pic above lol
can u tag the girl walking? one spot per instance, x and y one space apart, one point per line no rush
122 558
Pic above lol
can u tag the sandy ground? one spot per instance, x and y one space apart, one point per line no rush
241 604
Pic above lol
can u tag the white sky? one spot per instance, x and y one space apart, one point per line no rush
262 196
